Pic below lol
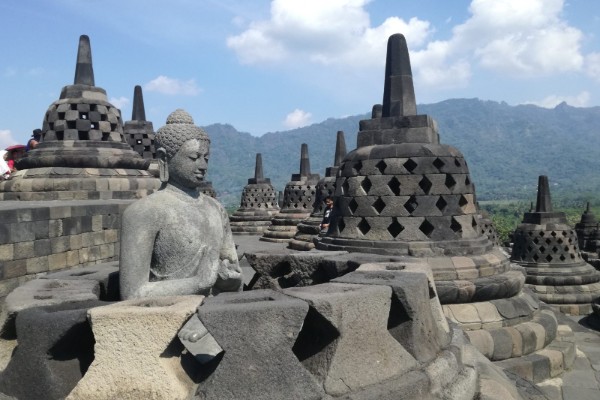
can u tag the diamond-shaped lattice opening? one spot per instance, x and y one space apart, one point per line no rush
542 249
450 181
378 205
425 184
559 241
467 181
541 233
566 248
381 166
553 234
410 165
555 249
462 201
536 240
411 204
394 185
572 256
529 248
570 240
363 226
564 233
426 228
535 257
366 185
438 163
341 224
357 166
548 258
395 228
441 204
456 162
530 233
562 257
455 226
345 187
548 241
352 206
474 223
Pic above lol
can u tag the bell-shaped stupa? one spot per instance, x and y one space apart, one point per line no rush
309 229
258 204
83 153
139 132
298 199
404 195
549 250
588 233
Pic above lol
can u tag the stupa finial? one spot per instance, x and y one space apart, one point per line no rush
258 168
544 203
399 92
84 71
304 161
340 149
138 113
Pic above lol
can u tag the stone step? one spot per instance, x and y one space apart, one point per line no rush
546 363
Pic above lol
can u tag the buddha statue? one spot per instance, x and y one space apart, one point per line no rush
177 241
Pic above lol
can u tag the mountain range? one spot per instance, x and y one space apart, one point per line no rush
506 147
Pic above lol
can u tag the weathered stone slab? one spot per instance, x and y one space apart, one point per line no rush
137 352
257 331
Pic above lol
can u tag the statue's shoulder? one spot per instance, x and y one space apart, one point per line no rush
151 206
214 203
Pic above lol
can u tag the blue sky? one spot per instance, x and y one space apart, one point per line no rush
267 66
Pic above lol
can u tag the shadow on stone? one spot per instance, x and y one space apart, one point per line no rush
317 333
76 346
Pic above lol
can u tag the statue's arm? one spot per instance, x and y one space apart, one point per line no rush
230 273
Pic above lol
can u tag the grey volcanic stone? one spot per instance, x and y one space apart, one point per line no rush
56 347
107 275
257 331
411 320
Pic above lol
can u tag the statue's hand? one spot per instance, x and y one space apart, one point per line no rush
230 276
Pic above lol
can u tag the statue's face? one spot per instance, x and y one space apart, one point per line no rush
189 165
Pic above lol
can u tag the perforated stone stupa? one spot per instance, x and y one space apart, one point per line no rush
404 195
258 204
139 132
588 234
83 153
549 250
308 229
298 199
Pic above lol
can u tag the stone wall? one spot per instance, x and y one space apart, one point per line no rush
47 236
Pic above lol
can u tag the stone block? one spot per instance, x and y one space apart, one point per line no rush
411 320
130 365
36 265
57 261
356 350
7 252
56 346
262 328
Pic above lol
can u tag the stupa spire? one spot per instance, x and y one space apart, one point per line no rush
340 149
84 71
398 92
139 112
258 168
304 161
544 203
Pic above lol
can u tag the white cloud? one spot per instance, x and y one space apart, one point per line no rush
9 72
6 138
324 32
297 119
171 86
580 100
592 62
119 102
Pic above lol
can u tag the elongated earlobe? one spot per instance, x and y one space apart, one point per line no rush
163 166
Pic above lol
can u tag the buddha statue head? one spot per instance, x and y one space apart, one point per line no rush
182 151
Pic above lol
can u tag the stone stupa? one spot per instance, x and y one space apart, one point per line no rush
549 250
588 233
298 198
404 196
258 204
139 132
83 153
308 229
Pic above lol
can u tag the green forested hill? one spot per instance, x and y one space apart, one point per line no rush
506 147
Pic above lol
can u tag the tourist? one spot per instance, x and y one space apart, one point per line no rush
34 140
324 226
4 168
14 154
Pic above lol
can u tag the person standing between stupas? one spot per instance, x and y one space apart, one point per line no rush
324 226
34 140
